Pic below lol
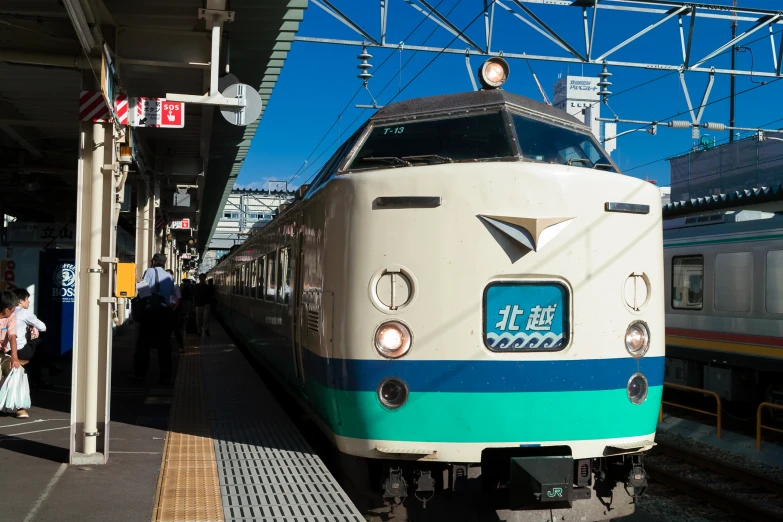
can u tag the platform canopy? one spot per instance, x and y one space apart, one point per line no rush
52 51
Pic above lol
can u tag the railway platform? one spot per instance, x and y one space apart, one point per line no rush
215 446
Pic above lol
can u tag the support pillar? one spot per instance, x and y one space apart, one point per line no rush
142 230
95 244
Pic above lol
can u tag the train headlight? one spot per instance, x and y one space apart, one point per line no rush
637 388
392 393
493 73
393 339
637 339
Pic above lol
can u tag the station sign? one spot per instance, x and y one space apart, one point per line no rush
158 112
180 224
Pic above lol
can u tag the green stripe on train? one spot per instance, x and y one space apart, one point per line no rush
674 243
489 417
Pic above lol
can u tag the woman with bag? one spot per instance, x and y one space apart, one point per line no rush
15 391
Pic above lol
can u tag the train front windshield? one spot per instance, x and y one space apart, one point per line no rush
478 137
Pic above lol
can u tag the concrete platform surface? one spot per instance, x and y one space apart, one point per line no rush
34 452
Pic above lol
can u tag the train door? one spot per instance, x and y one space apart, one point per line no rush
299 323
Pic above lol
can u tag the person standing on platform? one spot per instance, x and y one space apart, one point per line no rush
155 330
202 298
176 304
26 341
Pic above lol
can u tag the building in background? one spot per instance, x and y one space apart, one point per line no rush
578 96
245 210
666 195
743 164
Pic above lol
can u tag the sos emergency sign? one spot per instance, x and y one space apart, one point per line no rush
158 112
173 114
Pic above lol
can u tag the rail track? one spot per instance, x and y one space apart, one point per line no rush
742 493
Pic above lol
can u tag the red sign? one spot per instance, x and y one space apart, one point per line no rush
181 224
172 114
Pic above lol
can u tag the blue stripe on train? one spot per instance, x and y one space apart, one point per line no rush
483 376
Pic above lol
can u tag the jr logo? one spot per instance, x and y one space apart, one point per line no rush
555 492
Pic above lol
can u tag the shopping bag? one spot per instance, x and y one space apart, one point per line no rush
15 392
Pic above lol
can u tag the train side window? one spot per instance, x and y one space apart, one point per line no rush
270 277
253 278
688 282
774 282
733 281
284 269
242 279
261 277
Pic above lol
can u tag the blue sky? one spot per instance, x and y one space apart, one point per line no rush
318 80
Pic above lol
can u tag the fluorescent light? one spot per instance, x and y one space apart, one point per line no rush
80 25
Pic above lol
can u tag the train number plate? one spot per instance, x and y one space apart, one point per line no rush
526 317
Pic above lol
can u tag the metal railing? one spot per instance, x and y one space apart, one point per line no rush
760 426
695 390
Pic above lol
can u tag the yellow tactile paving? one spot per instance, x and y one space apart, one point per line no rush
188 487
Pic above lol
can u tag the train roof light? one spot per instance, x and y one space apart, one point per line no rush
493 73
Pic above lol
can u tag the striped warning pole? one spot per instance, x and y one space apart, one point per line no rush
121 107
92 107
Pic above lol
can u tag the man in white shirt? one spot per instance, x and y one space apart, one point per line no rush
28 326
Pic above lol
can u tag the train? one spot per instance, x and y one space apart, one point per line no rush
468 292
724 304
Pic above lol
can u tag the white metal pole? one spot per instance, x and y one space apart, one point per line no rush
215 63
94 290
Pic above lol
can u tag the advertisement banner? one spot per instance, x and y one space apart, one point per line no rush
42 233
58 284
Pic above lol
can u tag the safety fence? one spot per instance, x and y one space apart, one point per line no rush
717 415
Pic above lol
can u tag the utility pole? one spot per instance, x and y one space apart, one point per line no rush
731 81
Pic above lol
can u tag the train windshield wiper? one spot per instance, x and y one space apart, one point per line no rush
583 161
387 159
430 157
603 166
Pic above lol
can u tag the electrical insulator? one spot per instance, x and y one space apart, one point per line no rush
365 65
604 84
711 125
680 124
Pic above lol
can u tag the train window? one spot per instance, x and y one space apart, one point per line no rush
261 277
253 278
774 282
540 141
243 280
688 282
270 277
284 269
733 281
465 138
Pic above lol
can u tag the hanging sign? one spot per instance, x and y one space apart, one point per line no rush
158 112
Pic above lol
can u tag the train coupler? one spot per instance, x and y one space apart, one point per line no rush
395 487
425 487
637 477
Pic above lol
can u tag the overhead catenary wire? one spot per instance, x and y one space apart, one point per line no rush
306 164
399 89
359 115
